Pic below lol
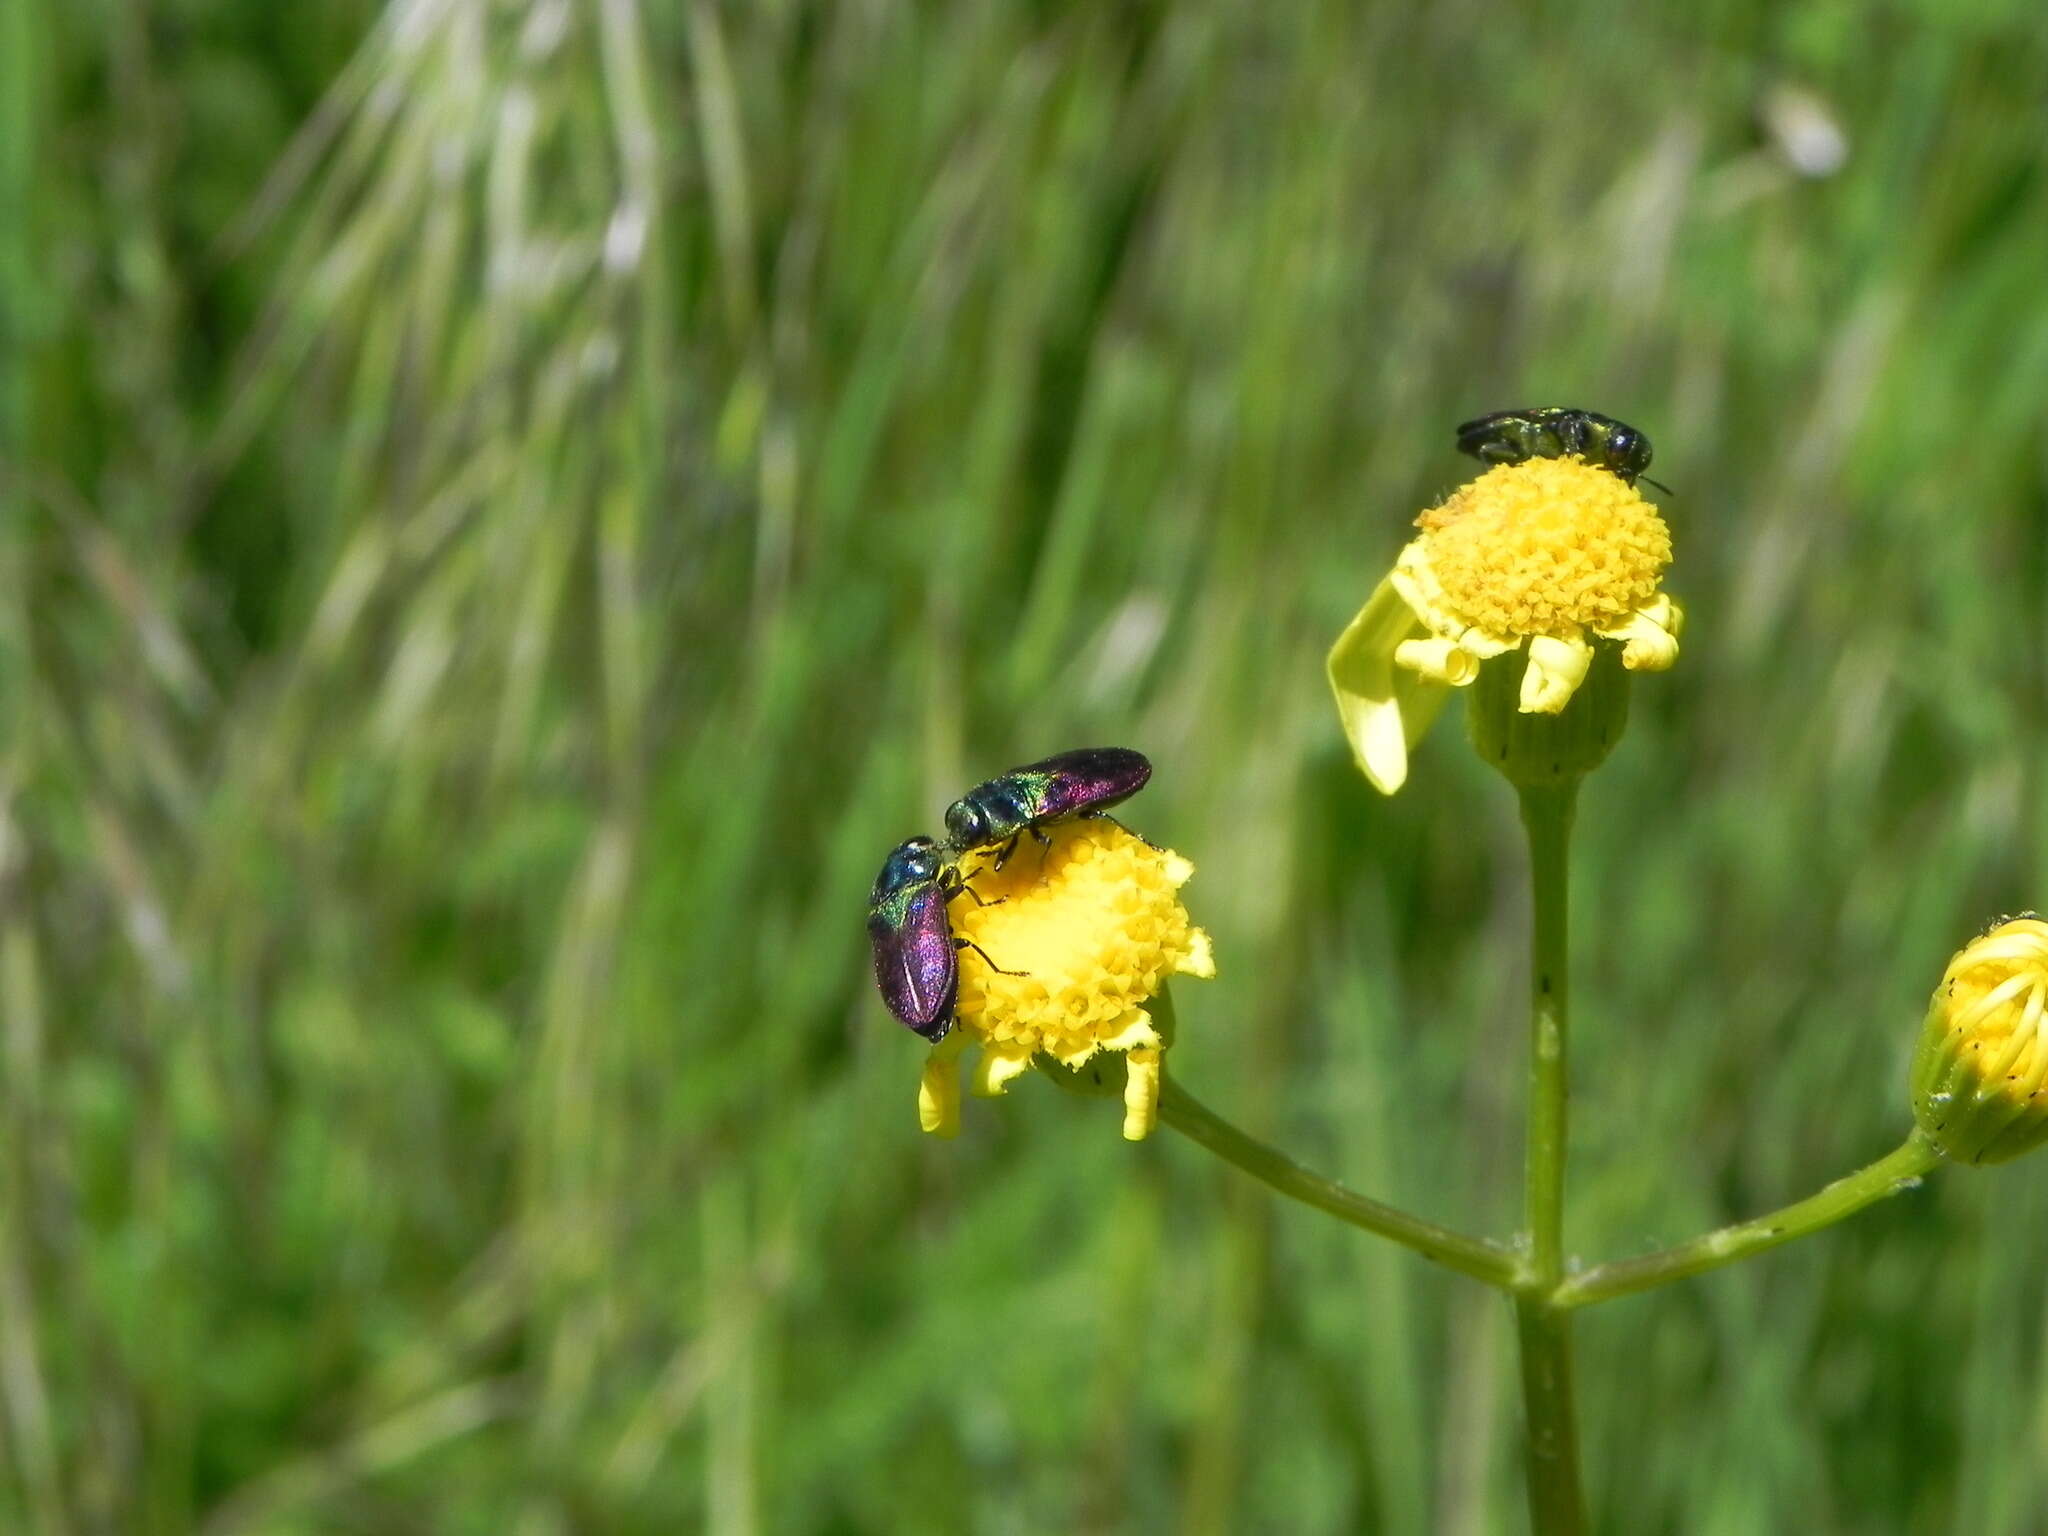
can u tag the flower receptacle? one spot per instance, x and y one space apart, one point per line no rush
1534 750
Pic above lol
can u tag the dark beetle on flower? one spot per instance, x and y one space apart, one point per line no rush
916 954
917 968
1085 782
1557 432
917 963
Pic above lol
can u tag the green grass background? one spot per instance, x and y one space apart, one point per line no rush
510 509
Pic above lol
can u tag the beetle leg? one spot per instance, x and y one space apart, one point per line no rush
981 900
1141 837
959 943
1003 853
1044 844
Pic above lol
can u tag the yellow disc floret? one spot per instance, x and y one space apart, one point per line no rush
1086 932
1546 547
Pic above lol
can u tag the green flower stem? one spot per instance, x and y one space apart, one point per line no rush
1551 1455
1547 816
1895 1171
1472 1256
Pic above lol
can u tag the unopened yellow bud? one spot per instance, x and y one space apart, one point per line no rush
1979 1074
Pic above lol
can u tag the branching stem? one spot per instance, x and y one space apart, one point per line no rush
1551 1451
1473 1256
1897 1170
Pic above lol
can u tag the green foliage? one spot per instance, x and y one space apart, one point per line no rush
508 511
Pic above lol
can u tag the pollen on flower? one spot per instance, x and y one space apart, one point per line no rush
1091 927
1546 547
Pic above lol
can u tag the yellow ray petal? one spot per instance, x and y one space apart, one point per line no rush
1141 1093
938 1095
1385 709
1556 668
1135 1032
997 1067
1443 661
1649 636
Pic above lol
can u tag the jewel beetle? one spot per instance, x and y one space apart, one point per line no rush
1084 782
917 964
1556 432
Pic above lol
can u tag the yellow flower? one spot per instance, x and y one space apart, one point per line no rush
1982 1067
1538 558
1093 930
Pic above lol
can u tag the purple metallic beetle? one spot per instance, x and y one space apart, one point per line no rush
1085 782
917 967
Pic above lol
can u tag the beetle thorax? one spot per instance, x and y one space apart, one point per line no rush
989 813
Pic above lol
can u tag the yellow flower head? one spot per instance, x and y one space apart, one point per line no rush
1539 558
1092 930
1980 1076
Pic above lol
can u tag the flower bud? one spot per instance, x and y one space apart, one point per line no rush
1979 1072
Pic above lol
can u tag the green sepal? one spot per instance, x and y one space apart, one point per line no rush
1968 1120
